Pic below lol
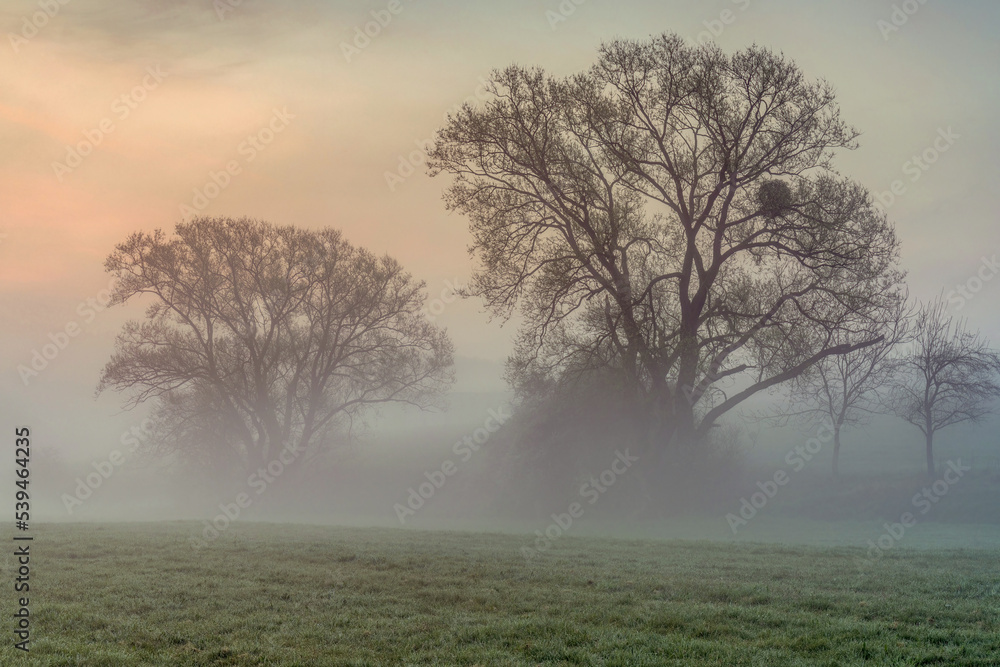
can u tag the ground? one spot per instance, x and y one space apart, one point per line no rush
264 594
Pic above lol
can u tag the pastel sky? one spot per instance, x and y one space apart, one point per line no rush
226 69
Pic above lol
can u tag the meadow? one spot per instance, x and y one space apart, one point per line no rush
268 594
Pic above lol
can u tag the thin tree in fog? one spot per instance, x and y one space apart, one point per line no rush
950 376
260 338
848 389
671 214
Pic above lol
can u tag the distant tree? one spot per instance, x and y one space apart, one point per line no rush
259 338
672 215
848 389
950 376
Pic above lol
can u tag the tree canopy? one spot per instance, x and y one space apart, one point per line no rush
673 214
950 376
260 338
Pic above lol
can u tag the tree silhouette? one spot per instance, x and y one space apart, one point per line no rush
848 389
950 376
671 214
260 339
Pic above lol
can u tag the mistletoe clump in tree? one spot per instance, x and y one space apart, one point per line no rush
672 215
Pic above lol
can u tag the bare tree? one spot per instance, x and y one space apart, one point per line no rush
951 376
848 389
671 214
260 338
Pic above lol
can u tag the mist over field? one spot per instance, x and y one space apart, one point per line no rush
363 484
676 318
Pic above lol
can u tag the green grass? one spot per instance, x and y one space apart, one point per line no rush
137 594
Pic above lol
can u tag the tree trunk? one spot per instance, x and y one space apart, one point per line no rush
836 451
683 427
930 453
685 392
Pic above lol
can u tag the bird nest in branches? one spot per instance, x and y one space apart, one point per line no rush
774 197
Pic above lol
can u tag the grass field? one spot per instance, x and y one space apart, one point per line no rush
137 594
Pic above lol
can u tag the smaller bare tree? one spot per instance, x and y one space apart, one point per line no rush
847 390
262 339
951 376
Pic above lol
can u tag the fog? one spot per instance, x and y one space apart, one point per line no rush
343 161
373 479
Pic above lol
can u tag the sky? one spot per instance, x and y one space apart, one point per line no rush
114 117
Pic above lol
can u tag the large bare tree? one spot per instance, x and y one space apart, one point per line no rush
260 338
951 376
671 213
